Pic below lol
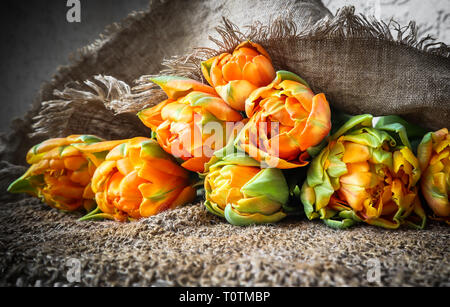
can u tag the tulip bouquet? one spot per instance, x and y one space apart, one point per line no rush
258 141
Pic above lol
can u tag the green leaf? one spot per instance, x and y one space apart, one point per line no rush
336 168
287 75
349 214
398 132
356 122
323 192
269 182
315 173
234 218
370 137
152 149
307 197
214 208
259 204
339 224
412 131
313 151
338 119
26 184
101 155
89 139
207 65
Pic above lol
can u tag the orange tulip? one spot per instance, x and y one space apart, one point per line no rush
365 174
237 189
138 179
180 122
286 119
235 76
60 174
434 157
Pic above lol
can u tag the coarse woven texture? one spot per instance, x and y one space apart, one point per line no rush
191 247
131 48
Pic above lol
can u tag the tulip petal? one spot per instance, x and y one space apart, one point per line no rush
259 204
339 224
187 195
27 184
235 93
176 87
363 174
265 69
283 75
356 122
214 208
206 69
308 198
269 182
239 219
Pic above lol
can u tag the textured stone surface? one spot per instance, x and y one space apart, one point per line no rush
191 247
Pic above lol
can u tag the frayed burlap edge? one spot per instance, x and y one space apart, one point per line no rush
99 101
345 24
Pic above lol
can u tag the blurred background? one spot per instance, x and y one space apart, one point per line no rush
37 38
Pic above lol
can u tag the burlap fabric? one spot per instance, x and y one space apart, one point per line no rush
362 65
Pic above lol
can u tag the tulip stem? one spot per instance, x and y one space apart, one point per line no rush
198 184
96 214
99 216
92 212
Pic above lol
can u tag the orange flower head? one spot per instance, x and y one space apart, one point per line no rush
286 119
60 173
192 123
434 158
235 76
138 179
237 189
364 174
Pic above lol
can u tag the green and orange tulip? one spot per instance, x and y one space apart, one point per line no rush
365 174
434 158
139 179
179 122
237 189
286 120
60 174
235 76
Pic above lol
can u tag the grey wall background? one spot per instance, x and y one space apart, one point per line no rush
36 37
